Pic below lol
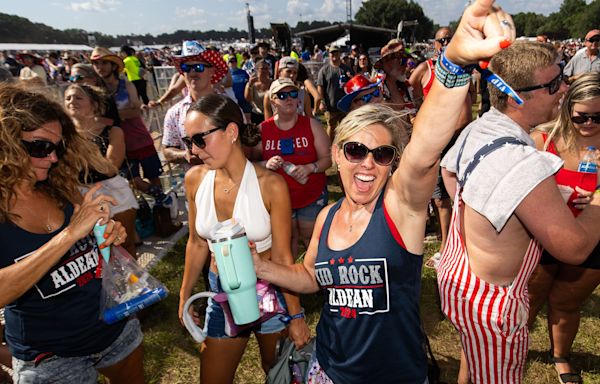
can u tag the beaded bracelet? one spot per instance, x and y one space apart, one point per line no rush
450 79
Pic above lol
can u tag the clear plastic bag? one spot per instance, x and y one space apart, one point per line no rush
126 287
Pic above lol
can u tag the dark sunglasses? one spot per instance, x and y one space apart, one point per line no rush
443 40
553 85
198 138
43 148
284 95
357 152
200 67
584 117
76 78
366 98
396 56
595 39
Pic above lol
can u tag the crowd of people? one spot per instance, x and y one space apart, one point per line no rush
255 133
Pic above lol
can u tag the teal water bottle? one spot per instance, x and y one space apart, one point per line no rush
229 244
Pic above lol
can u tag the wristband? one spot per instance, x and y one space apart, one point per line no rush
287 318
450 79
453 68
315 167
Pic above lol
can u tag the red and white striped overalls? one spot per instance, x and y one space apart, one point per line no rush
491 319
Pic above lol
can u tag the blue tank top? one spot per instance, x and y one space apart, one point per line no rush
60 314
370 327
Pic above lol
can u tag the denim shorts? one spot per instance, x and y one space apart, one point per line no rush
150 165
82 369
214 321
311 211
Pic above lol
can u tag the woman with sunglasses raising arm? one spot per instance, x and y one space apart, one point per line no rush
48 279
297 148
229 186
366 249
566 287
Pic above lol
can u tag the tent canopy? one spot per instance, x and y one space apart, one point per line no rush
364 35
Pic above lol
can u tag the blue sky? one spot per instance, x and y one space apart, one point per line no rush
160 16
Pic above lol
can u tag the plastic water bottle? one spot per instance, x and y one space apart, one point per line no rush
289 168
588 162
128 308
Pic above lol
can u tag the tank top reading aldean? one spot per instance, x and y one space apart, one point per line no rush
370 327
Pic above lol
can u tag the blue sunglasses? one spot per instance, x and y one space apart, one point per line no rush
366 98
284 95
200 67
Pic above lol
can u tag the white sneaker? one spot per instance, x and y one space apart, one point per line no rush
173 204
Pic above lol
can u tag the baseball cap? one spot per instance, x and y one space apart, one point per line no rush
288 62
592 33
279 84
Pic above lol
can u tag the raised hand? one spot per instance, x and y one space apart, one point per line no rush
484 30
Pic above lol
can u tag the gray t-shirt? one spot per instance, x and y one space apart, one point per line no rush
332 79
501 181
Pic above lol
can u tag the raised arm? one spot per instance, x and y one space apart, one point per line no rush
478 37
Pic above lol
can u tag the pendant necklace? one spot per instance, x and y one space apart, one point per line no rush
48 227
227 190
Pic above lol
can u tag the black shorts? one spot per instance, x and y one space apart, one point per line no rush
592 262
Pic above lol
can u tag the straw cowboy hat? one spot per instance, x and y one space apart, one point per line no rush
353 87
194 51
393 46
101 53
36 58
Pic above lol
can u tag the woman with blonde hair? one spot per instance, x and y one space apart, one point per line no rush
85 105
48 278
566 287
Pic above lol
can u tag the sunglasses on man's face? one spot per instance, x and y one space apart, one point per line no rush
76 78
396 56
443 40
284 95
356 152
553 85
584 117
43 148
368 97
595 39
200 67
198 138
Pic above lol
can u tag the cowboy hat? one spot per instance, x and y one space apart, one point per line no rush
36 58
393 46
353 87
101 53
194 51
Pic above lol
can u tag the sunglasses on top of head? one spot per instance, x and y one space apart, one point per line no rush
368 97
584 117
284 95
553 85
198 138
43 148
200 67
356 152
595 39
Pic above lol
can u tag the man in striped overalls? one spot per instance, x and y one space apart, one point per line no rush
507 206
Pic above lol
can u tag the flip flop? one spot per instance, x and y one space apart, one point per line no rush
433 261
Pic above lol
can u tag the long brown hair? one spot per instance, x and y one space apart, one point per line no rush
22 111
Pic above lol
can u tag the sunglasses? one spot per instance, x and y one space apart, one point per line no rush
43 148
284 95
553 85
356 152
366 98
200 67
443 40
584 117
595 39
396 56
76 78
198 138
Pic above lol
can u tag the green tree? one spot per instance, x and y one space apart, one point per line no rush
528 23
388 13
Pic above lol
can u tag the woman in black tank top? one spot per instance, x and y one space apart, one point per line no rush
85 105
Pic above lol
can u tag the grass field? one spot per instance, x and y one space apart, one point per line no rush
171 357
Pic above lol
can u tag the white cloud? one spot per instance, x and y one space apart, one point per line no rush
297 7
189 12
94 6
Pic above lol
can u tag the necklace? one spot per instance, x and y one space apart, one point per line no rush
227 190
48 227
